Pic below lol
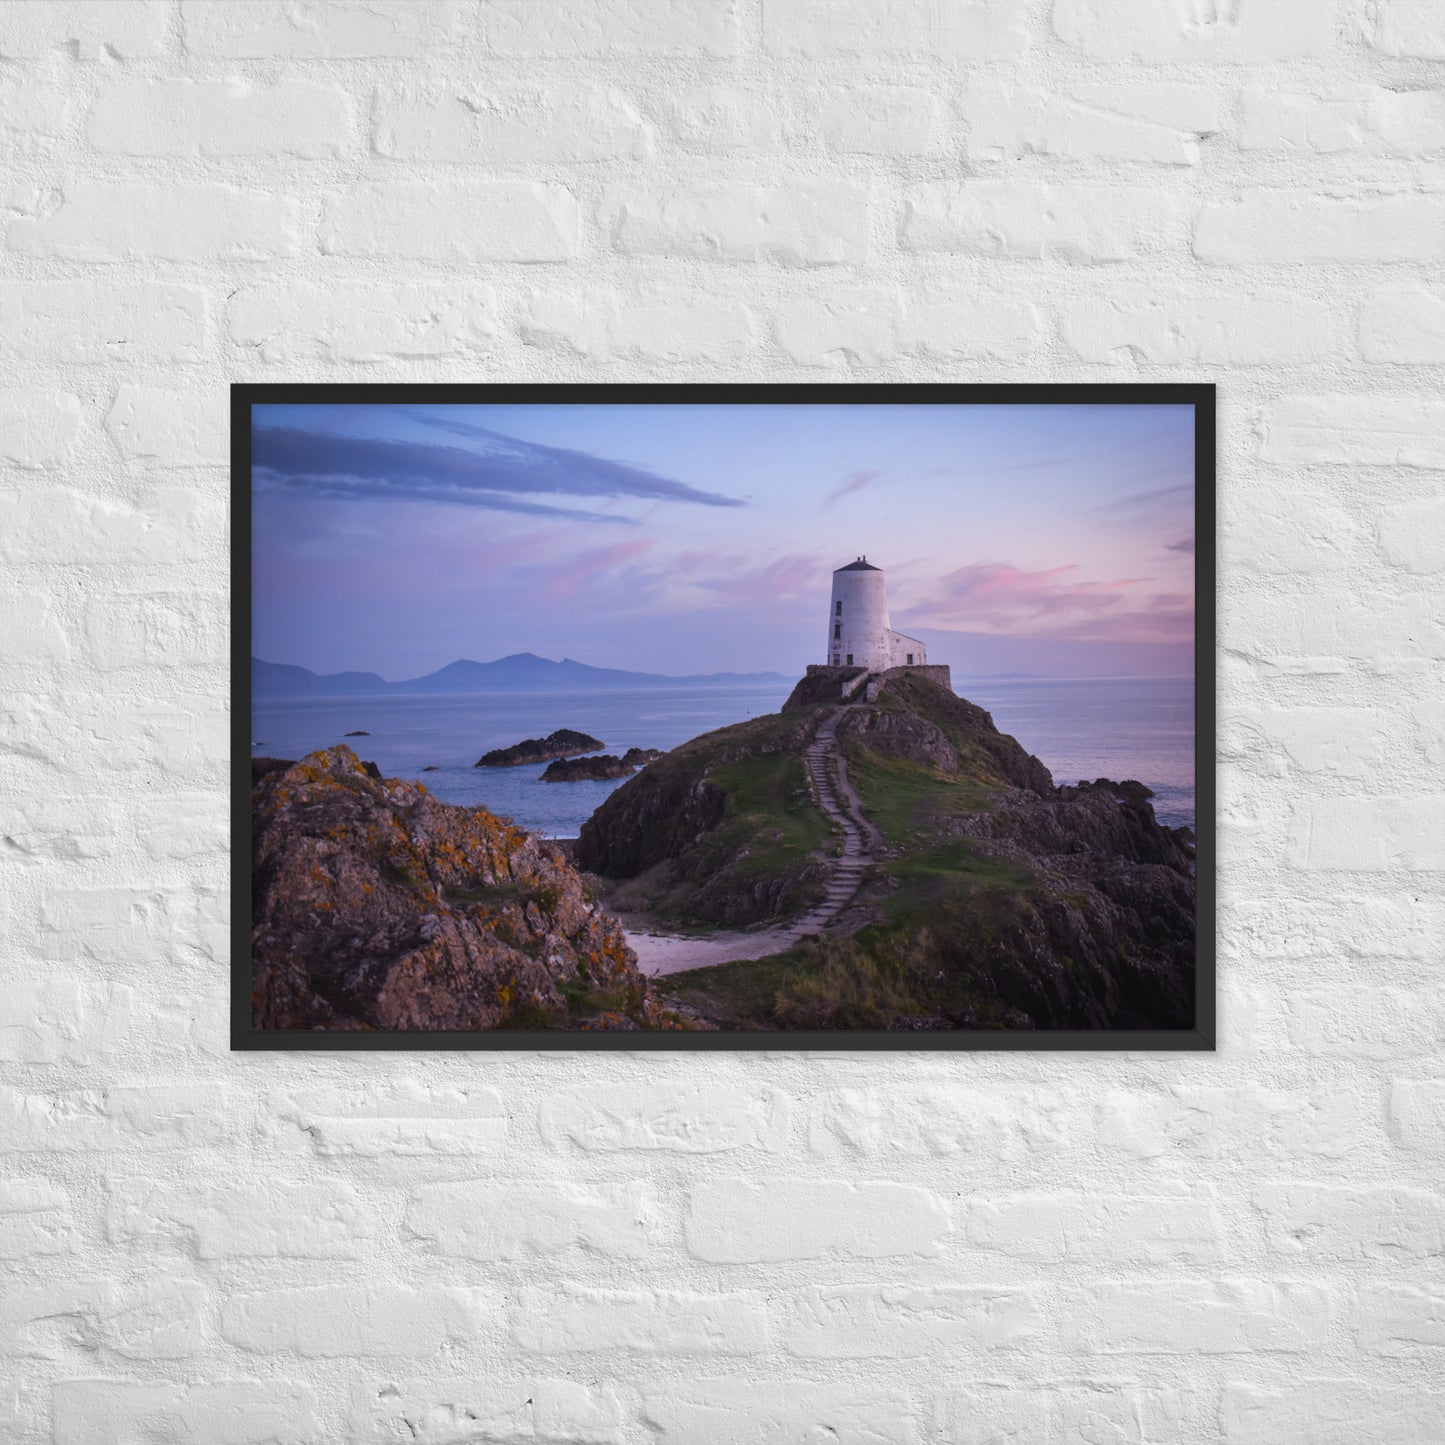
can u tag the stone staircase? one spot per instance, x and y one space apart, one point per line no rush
828 773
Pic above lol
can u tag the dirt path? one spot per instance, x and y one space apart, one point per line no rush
659 953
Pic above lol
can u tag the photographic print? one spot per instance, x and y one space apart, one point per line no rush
723 716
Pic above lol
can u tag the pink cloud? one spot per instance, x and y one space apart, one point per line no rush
570 577
854 482
1000 598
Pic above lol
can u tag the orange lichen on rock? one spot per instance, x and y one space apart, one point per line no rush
433 916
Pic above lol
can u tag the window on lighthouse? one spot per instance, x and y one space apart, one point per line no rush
837 631
838 609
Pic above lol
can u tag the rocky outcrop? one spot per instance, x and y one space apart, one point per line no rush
377 907
359 733
639 757
564 743
599 769
988 898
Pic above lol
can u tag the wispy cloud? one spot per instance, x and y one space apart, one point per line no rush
1000 598
1184 544
1159 499
503 474
853 482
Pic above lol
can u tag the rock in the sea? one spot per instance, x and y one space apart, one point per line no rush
638 757
430 768
564 743
359 733
591 770
378 907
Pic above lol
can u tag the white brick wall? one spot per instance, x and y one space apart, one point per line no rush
879 1250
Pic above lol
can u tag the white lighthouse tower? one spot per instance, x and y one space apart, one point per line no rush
859 634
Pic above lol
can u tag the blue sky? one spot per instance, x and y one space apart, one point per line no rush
695 538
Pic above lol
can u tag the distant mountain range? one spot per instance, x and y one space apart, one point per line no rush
521 672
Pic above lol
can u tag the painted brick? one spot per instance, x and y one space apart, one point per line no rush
31 107
857 1322
1180 328
725 119
368 1320
1398 1319
1342 742
1366 1023
35 1219
1099 1227
509 128
315 1219
1210 1317
1358 118
1329 1221
284 323
28 614
517 1220
160 1320
377 1119
154 524
946 322
1387 431
944 1120
879 120
1300 227
912 29
734 1222
1150 121
1330 1412
1417 1115
92 220
156 1116
1030 222
38 428
1249 32
1403 324
677 1120
1412 535
717 1412
475 221
219 118
611 27
808 223
1213 1121
642 323
574 1318
80 322
1410 28
159 629
1094 1410
563 1411
169 428
859 329
34 29
1368 834
321 29
60 1020
241 1412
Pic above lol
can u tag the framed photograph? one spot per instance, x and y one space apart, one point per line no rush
613 716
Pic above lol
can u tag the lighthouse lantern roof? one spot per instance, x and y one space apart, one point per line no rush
861 565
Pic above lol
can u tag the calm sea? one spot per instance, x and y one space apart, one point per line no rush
1135 728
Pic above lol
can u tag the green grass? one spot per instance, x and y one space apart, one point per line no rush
733 995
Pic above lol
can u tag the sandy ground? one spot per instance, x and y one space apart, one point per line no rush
659 953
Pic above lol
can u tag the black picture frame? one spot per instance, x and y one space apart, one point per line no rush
1200 396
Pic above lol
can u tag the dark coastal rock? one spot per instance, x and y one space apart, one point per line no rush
359 733
430 768
377 907
996 900
564 743
593 769
639 757
261 766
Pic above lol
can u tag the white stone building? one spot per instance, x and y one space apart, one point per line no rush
858 630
